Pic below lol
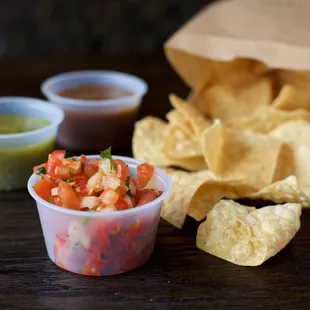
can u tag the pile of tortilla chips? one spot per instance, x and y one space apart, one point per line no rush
247 135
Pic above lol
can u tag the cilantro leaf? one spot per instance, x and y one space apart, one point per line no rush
70 179
127 182
50 199
41 170
107 154
129 193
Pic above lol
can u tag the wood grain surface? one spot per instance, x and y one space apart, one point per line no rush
178 276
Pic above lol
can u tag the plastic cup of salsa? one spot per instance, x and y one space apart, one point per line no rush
28 129
101 243
100 107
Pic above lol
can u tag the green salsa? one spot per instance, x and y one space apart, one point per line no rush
16 163
11 124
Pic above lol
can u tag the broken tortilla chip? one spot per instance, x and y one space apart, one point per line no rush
248 236
267 118
227 104
298 79
283 191
292 98
296 134
235 154
196 193
179 144
176 118
148 137
190 113
238 73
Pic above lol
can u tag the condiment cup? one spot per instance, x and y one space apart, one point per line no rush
89 123
19 152
101 243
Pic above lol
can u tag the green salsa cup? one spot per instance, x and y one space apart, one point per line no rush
28 130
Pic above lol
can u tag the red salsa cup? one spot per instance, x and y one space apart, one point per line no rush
101 243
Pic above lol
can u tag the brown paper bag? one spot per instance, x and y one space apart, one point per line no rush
246 34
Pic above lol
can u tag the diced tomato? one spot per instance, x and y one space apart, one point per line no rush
94 262
59 247
145 196
109 197
38 167
83 159
57 201
108 229
79 176
122 170
75 166
60 154
49 180
81 187
54 160
43 189
91 167
94 162
145 173
68 196
135 229
121 204
92 268
62 172
103 242
122 190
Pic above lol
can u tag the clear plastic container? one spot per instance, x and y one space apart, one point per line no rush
92 123
101 243
21 151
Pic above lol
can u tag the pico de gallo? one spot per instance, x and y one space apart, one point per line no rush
98 246
96 185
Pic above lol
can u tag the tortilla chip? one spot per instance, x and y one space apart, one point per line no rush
179 144
292 98
235 154
195 194
297 135
267 118
147 143
298 79
238 73
283 191
248 236
227 104
285 165
175 118
190 113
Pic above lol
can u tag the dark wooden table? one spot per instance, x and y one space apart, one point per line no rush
178 276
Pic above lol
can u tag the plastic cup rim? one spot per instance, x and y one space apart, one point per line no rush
91 103
128 160
18 100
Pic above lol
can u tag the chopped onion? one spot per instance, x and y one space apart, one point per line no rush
110 182
90 202
77 235
105 166
133 188
152 183
94 180
108 209
129 201
54 191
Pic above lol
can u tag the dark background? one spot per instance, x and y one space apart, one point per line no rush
53 28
